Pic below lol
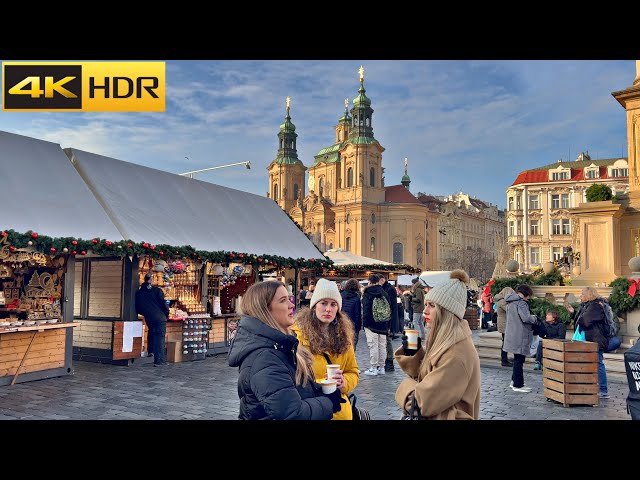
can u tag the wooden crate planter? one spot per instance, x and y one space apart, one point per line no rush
570 371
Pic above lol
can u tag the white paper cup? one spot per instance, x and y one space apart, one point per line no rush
332 368
412 339
328 386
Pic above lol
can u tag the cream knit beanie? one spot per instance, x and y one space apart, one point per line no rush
451 294
326 289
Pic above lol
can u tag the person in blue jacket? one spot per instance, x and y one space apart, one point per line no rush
276 379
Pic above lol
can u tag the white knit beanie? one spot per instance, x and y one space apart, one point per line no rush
451 294
326 289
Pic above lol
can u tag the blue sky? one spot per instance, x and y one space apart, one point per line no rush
463 125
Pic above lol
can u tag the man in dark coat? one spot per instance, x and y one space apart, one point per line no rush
352 306
376 332
151 304
393 322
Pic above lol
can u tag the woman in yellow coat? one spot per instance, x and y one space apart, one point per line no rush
329 334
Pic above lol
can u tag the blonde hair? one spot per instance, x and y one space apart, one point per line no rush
335 339
590 293
255 303
446 329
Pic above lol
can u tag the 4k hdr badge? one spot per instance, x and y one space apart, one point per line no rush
83 86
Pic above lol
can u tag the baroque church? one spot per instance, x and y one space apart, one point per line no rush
347 205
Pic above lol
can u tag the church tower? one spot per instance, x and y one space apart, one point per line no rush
286 172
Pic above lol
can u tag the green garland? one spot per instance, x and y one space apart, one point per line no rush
107 248
376 266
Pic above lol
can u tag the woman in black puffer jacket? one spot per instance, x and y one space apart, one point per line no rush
352 306
590 318
275 379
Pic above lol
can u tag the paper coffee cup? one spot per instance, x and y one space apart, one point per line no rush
412 339
328 385
332 368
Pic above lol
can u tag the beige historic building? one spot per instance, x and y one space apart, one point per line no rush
347 204
539 223
471 233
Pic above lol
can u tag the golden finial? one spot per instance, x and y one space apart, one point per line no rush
361 72
288 103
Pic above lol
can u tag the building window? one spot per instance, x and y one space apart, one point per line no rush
555 201
566 226
510 203
372 177
534 256
533 202
349 177
593 173
398 254
275 192
348 218
556 253
534 228
426 247
512 228
620 172
348 244
560 176
296 191
373 219
564 200
555 227
519 227
373 244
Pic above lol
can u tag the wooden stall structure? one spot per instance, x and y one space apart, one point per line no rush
570 374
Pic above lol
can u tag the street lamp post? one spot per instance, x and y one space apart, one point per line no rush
247 164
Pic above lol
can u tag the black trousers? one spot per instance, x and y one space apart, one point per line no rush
518 375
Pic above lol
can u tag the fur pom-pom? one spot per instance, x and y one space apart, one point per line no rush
460 275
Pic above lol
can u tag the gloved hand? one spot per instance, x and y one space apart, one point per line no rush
409 352
336 399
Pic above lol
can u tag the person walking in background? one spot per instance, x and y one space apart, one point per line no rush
519 333
408 308
328 333
352 306
590 317
444 377
417 304
487 307
376 332
501 310
151 304
393 322
553 328
276 380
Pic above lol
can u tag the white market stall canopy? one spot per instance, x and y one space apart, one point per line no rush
116 200
343 257
42 192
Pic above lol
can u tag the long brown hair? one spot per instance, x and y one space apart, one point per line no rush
446 330
335 339
255 303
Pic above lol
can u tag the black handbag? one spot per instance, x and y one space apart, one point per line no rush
414 412
357 413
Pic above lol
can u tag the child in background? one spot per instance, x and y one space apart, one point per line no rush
554 329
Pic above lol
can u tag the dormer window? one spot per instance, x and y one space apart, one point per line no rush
562 175
619 172
591 173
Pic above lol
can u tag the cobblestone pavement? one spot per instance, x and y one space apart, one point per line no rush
207 389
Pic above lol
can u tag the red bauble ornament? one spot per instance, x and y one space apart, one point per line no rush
161 253
4 234
259 259
74 242
129 244
108 242
73 252
34 235
241 255
145 245
83 252
152 247
95 240
232 255
52 250
12 248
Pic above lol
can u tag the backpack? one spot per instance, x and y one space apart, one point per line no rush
380 309
610 327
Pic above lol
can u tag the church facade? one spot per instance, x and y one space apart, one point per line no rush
347 204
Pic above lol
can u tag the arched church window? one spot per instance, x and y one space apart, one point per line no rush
296 191
372 177
275 192
350 177
398 253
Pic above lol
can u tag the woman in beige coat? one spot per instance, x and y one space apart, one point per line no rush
444 377
501 310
